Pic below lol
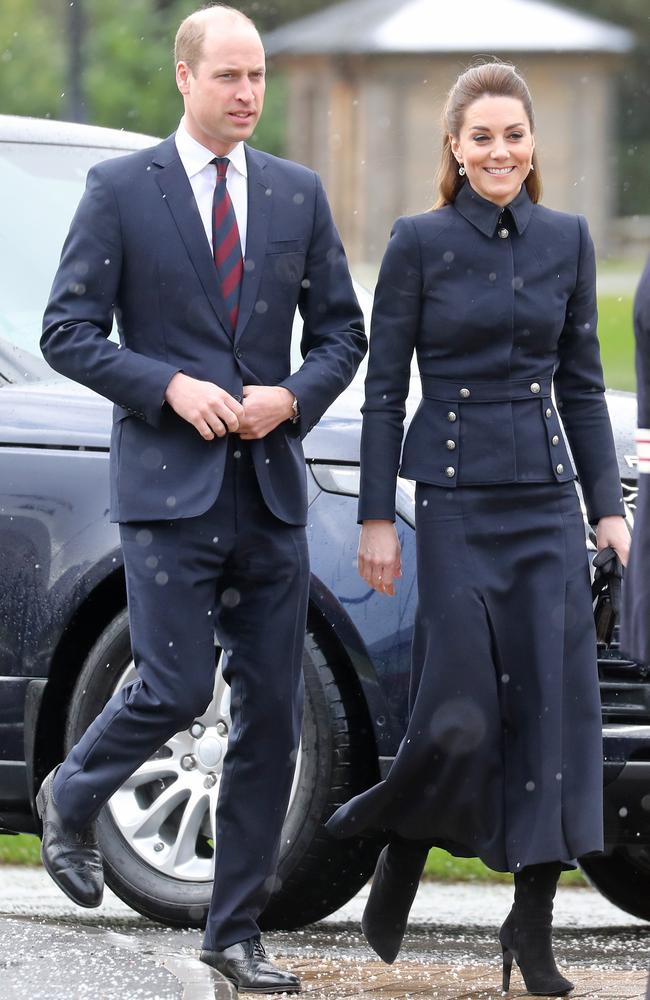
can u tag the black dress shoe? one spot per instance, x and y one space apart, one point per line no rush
246 966
72 858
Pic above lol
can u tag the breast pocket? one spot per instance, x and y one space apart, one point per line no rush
285 246
285 261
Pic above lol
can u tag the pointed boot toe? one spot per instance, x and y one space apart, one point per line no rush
394 885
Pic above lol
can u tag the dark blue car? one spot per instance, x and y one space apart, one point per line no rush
64 638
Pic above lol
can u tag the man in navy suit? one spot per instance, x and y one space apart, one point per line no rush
202 249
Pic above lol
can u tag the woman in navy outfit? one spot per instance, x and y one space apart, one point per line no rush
635 623
502 758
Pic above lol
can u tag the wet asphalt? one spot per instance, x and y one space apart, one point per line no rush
52 950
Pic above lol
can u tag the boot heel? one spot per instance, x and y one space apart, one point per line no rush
507 968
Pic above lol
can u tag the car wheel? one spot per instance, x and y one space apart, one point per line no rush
157 831
623 877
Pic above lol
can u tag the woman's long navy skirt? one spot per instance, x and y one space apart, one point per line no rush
502 758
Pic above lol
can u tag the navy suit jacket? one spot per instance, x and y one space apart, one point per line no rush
500 307
137 249
635 622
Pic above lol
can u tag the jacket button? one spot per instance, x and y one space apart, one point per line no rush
555 439
451 416
535 387
559 469
548 412
450 445
238 353
450 472
465 393
504 233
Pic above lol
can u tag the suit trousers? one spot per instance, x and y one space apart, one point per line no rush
239 570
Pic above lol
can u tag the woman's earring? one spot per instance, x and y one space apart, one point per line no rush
461 170
532 166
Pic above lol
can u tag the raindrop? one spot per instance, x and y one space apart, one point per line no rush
151 562
230 597
171 501
144 537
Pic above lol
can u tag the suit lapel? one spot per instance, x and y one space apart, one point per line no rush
259 214
179 197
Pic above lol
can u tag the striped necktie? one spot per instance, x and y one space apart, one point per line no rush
225 242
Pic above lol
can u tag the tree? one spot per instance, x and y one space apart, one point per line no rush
633 140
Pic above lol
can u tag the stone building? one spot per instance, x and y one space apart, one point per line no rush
368 78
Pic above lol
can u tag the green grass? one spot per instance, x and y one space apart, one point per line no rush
616 340
21 850
441 867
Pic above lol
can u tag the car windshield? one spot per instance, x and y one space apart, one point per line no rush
45 183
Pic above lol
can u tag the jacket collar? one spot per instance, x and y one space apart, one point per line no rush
485 214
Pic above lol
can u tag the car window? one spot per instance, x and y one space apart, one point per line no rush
42 184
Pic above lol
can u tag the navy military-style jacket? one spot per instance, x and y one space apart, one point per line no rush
635 622
500 307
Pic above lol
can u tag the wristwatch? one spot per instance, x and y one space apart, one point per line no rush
295 411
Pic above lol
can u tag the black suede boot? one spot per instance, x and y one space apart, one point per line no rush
526 932
393 890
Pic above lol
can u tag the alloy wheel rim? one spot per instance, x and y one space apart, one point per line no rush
166 810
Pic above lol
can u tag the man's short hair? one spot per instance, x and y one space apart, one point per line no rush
188 46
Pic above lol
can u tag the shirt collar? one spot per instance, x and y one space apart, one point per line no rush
485 214
196 157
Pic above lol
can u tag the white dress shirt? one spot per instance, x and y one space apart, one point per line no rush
202 175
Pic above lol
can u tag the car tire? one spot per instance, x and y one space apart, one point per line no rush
622 877
316 874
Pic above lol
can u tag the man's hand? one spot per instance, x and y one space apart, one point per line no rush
265 407
210 409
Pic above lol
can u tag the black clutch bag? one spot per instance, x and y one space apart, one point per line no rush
606 593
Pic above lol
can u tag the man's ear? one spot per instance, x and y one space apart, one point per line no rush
182 77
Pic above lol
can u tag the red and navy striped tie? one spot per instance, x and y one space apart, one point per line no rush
225 242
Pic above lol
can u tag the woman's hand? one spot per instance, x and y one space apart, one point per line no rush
379 555
614 531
